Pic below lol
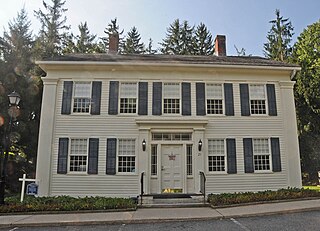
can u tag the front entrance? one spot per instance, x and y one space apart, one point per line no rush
171 168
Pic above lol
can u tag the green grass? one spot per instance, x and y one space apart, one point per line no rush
317 188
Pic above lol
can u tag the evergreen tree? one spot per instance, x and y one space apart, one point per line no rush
203 41
112 28
16 75
182 39
84 42
54 31
131 44
172 43
279 38
306 53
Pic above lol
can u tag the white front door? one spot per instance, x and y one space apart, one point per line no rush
171 168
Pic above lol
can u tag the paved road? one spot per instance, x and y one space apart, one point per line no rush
291 222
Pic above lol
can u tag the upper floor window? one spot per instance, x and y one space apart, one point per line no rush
214 99
258 99
82 97
216 155
128 98
261 154
171 98
78 155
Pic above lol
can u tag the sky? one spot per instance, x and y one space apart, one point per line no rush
244 22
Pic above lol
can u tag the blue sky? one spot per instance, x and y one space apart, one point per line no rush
244 22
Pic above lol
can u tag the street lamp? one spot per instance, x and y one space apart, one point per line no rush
14 99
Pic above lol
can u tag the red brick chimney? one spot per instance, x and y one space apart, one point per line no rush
113 43
220 45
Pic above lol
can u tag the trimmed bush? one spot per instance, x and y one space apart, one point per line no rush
65 203
247 197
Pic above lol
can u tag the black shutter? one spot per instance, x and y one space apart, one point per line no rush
272 102
143 98
67 97
113 97
231 156
228 96
93 156
96 97
63 155
186 99
201 98
111 156
248 155
244 99
157 98
275 151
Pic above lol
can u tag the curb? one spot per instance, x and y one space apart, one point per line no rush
140 221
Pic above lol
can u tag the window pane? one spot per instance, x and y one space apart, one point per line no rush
171 90
258 107
126 155
78 155
260 146
154 160
214 91
261 162
261 153
214 106
128 105
189 160
257 92
128 90
171 106
216 155
82 90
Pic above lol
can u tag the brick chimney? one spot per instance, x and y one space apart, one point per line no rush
220 45
113 43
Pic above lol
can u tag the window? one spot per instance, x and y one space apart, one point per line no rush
214 99
171 98
216 155
261 154
171 136
78 155
126 155
82 97
258 99
154 160
128 97
189 160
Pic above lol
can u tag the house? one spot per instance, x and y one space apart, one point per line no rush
112 122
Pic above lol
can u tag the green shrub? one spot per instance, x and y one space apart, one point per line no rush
247 197
65 203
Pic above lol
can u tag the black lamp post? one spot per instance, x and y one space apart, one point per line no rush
14 99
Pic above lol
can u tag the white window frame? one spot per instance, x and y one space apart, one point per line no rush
268 153
165 97
189 160
208 97
74 97
265 99
123 96
70 154
224 155
154 161
119 154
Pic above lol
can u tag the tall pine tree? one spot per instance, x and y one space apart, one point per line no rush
203 41
279 37
85 42
132 44
54 31
183 39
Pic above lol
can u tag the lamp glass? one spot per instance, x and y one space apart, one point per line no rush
14 98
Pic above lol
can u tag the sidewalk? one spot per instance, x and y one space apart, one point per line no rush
158 214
